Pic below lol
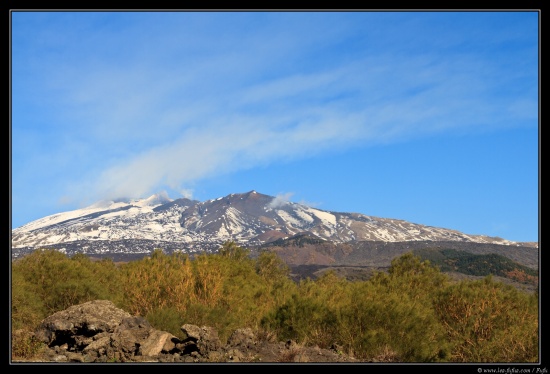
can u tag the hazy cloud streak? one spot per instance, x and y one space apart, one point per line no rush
190 100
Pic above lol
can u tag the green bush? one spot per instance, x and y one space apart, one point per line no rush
382 319
50 281
24 345
156 282
167 319
487 321
27 309
412 313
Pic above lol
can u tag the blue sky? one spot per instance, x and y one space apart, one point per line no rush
430 117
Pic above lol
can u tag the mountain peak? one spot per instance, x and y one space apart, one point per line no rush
248 218
252 194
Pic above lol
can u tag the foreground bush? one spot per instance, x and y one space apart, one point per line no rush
487 321
47 281
226 291
412 313
388 316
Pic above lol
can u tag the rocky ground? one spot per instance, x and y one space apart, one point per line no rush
98 332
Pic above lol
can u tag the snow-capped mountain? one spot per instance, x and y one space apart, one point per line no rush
249 218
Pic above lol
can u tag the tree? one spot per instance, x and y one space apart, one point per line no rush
233 250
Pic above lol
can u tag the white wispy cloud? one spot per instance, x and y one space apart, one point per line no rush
280 200
178 141
183 103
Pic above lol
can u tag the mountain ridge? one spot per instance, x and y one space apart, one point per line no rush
242 217
250 219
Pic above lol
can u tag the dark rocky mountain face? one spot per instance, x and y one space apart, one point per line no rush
240 216
178 203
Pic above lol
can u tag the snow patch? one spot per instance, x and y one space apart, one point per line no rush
303 215
326 217
288 218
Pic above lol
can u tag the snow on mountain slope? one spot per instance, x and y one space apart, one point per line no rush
136 219
247 218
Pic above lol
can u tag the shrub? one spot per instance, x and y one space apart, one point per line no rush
47 281
156 282
24 345
412 313
381 320
167 319
488 321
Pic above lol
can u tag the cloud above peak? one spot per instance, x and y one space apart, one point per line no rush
189 96
280 200
283 123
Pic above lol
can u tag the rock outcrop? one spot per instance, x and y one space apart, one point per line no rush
97 331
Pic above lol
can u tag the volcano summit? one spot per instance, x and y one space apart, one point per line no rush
250 219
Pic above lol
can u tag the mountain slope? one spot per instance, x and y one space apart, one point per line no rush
248 218
451 260
305 249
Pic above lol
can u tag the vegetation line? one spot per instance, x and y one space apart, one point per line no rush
411 313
